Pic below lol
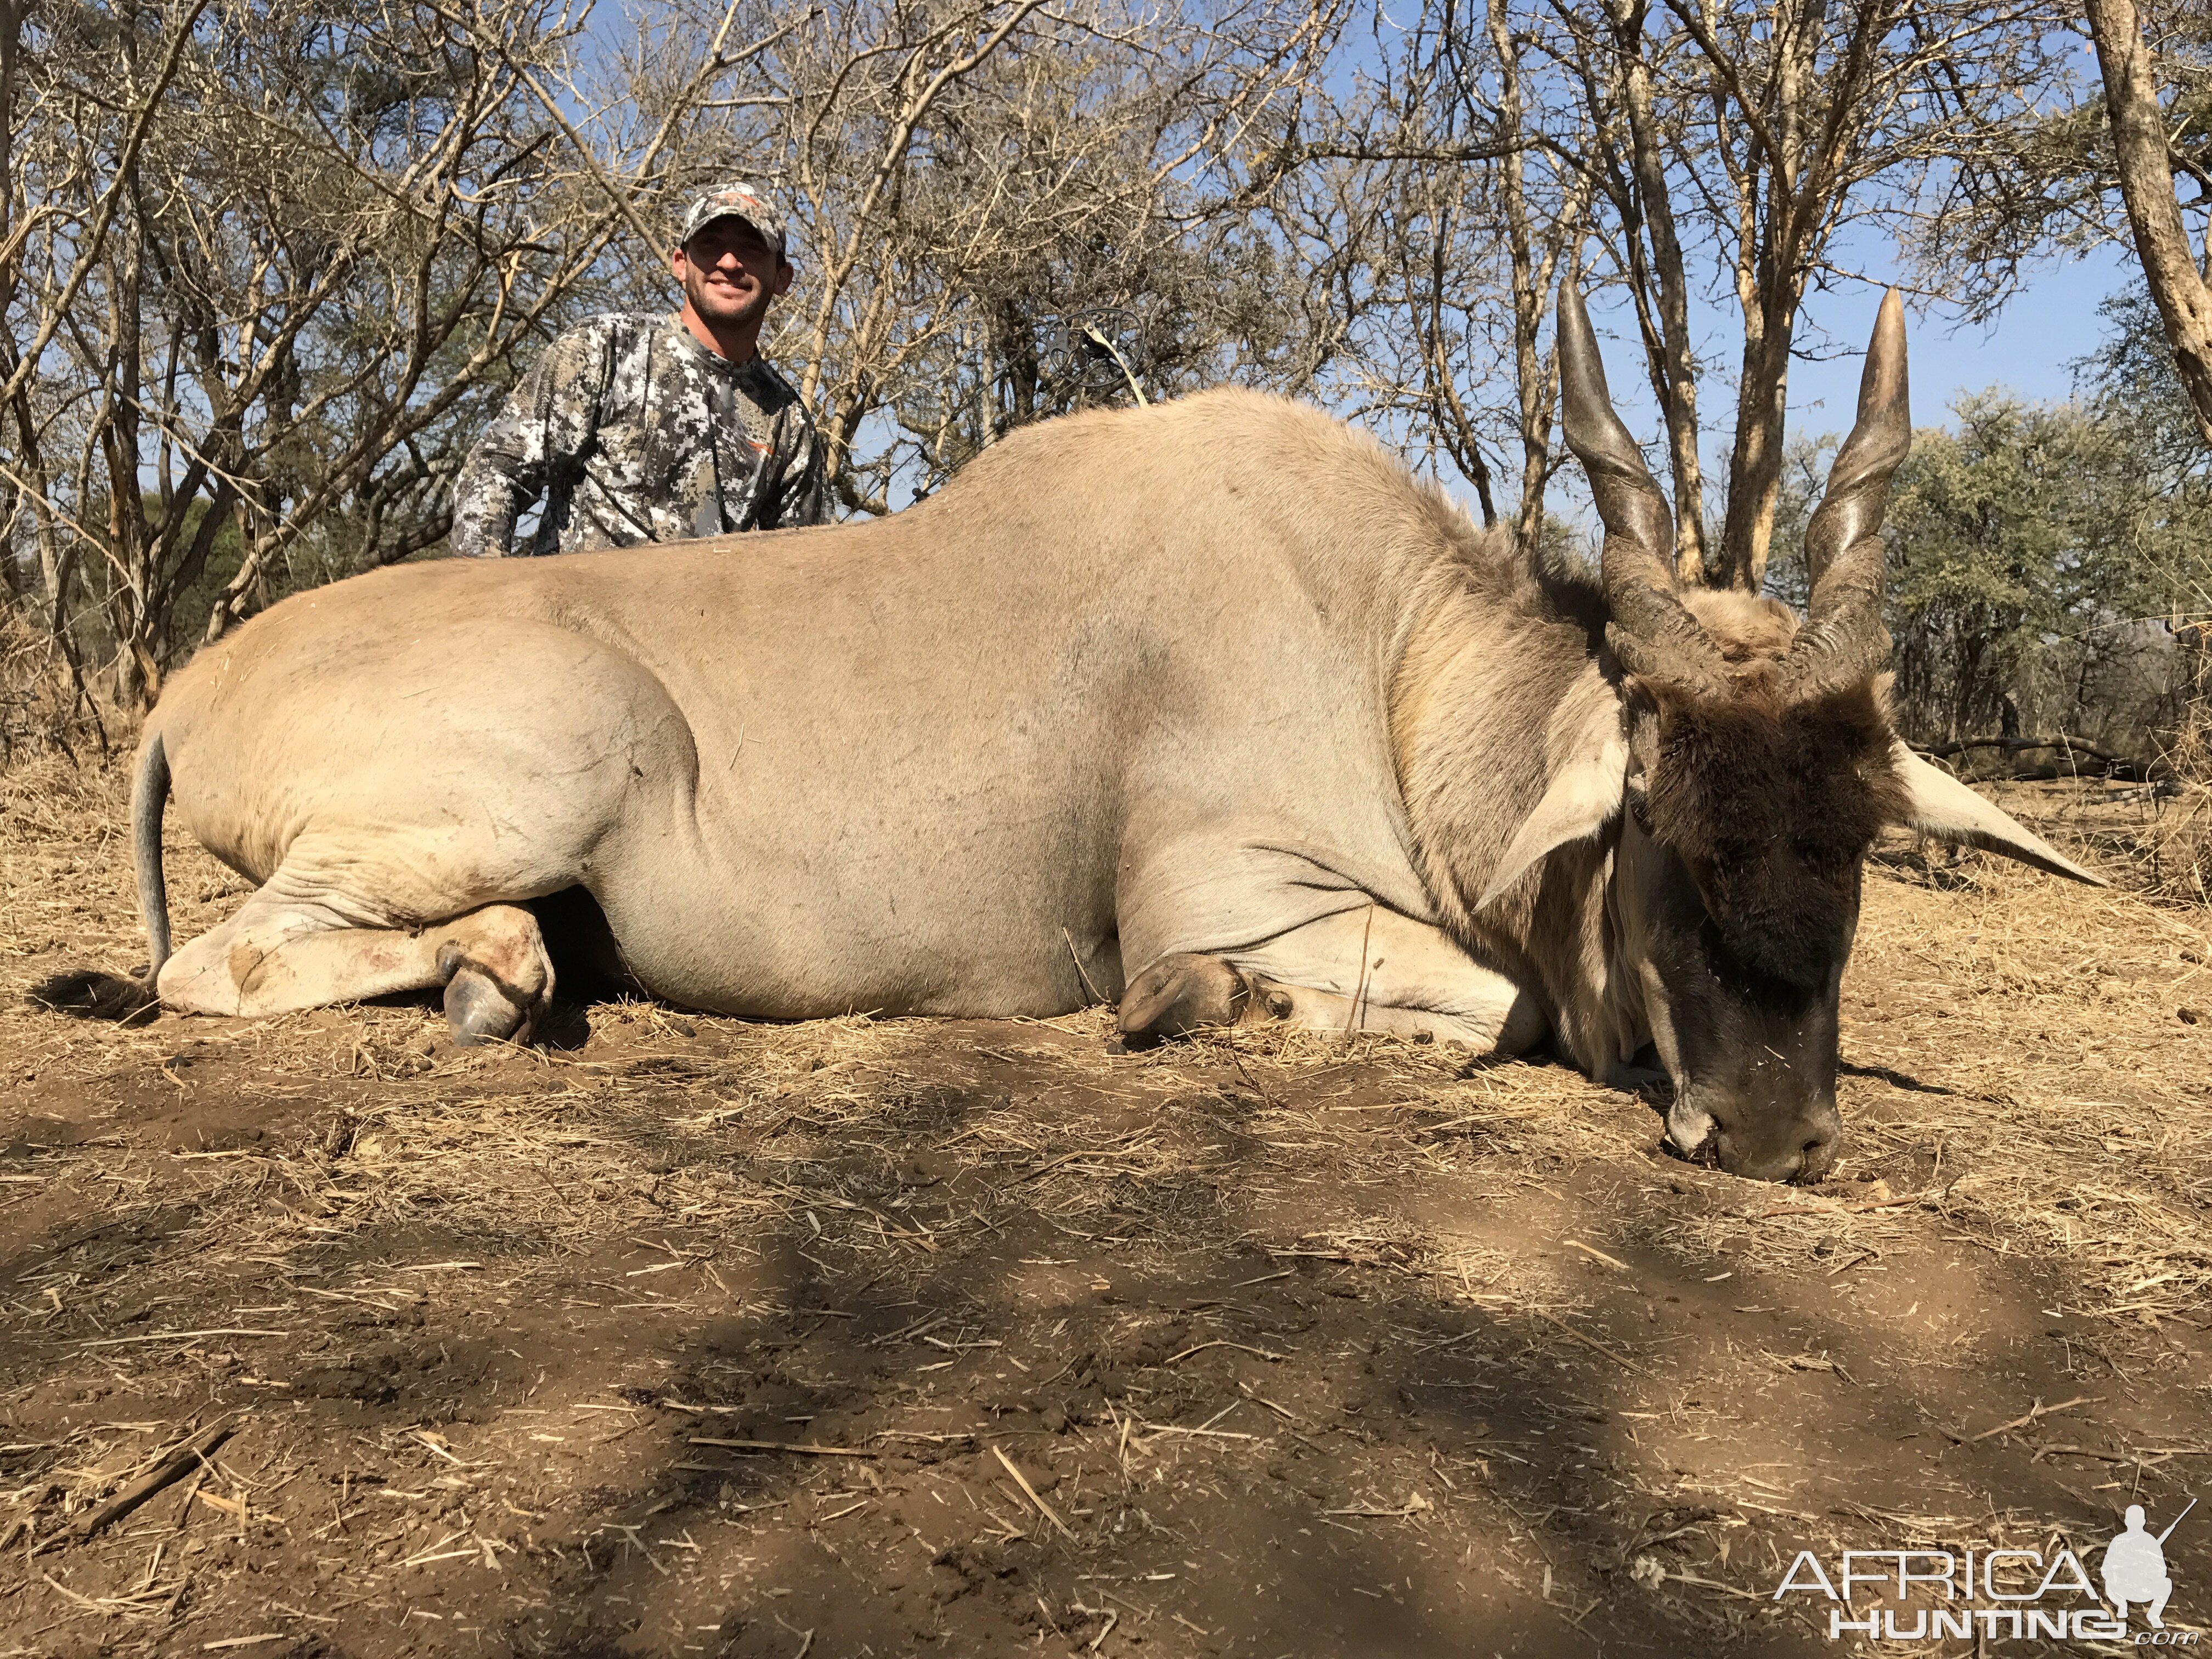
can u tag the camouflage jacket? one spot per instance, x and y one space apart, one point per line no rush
634 431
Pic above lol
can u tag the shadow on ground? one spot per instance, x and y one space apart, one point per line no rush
690 1336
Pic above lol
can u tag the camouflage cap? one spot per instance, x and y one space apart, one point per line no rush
735 200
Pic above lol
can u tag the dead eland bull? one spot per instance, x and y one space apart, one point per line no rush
1214 690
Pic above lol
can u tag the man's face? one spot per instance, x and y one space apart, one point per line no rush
730 276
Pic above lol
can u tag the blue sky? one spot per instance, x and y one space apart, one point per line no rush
2026 350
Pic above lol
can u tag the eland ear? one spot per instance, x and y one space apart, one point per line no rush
1938 805
1583 796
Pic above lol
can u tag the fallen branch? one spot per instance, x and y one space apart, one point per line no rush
81 1601
1622 1360
182 1460
1245 1347
2035 1411
2063 741
783 1446
1596 1255
1120 1148
1415 1505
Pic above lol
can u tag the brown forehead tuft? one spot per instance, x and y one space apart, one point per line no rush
1744 627
1773 802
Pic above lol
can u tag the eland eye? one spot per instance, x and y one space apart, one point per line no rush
1829 857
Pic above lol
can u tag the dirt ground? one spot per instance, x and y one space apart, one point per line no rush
1256 1345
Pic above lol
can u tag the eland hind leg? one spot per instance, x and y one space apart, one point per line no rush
279 955
433 798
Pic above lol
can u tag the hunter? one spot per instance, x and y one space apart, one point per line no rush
636 427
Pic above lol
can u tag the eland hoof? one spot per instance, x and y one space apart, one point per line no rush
1182 994
482 1007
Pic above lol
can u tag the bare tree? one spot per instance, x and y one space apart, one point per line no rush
1434 199
70 175
1537 240
263 282
2145 164
1799 118
269 284
261 290
1001 197
1702 145
1735 141
1616 67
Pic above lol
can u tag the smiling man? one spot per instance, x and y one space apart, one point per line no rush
656 429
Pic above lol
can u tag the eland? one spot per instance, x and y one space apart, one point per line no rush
1208 708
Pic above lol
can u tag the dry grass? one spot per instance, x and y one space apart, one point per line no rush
2030 1111
2176 847
44 710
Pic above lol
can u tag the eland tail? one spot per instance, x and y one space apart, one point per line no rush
88 993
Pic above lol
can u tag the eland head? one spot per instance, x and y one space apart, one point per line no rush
1761 765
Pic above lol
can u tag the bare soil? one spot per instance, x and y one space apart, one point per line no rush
1258 1345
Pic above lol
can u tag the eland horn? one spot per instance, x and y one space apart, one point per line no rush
1652 633
1845 641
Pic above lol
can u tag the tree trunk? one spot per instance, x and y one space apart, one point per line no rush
1017 333
1762 407
135 614
1676 378
1528 295
2139 144
1534 269
11 25
1449 423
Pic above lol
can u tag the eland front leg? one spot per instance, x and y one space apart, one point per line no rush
1365 970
